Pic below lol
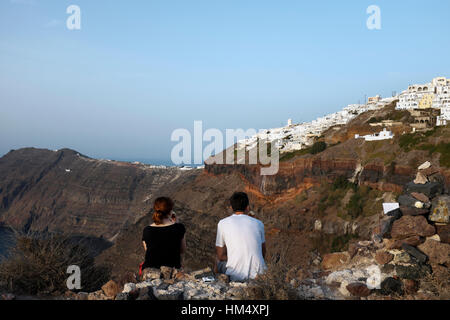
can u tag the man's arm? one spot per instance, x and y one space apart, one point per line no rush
145 245
221 253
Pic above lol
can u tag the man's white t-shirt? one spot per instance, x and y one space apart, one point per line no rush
243 236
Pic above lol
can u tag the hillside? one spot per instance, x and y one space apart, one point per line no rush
340 189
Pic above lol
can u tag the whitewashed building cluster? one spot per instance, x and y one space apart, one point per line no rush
433 95
295 137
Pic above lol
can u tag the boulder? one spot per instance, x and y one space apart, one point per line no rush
410 211
111 289
397 244
410 226
430 189
420 197
437 252
416 254
391 286
420 178
383 257
358 289
444 233
384 227
413 272
334 261
440 210
430 171
406 200
397 214
411 286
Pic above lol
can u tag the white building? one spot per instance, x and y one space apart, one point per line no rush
416 96
383 135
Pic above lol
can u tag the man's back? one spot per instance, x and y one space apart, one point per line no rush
243 236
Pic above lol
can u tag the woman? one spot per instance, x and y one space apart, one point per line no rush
164 240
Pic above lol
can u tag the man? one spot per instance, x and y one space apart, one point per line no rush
240 243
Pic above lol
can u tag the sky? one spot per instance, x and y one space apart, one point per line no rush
137 70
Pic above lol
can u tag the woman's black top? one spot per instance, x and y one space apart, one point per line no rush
163 246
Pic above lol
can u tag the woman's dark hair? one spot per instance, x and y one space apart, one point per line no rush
239 201
162 208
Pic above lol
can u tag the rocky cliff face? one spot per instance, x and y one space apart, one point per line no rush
64 191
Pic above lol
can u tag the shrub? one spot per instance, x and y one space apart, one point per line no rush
318 147
342 182
38 265
273 284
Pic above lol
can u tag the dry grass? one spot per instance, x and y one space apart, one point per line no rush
38 265
273 284
438 283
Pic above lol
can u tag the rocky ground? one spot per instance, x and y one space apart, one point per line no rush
408 256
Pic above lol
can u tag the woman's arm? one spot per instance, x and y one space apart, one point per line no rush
145 245
183 246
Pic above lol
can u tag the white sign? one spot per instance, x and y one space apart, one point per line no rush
388 207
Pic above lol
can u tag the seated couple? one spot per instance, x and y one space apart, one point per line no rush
240 242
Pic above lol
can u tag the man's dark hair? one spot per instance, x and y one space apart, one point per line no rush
239 201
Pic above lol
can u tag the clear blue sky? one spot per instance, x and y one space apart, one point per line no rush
137 70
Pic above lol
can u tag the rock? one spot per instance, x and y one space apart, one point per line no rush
166 272
384 226
318 225
333 261
425 165
151 274
397 244
410 226
430 189
391 286
420 178
409 211
175 294
383 257
436 237
199 274
416 254
412 272
8 297
437 252
444 233
83 296
146 294
122 296
397 214
134 294
223 278
97 295
430 171
440 210
128 287
406 200
358 289
402 257
111 289
419 205
411 286
420 197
